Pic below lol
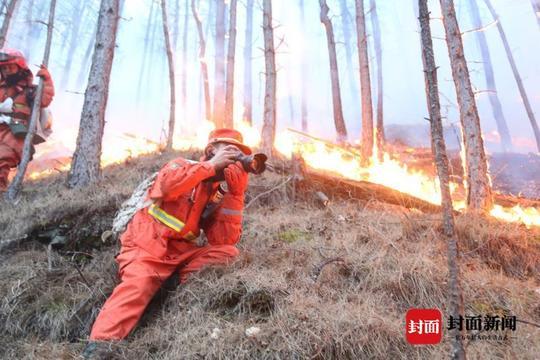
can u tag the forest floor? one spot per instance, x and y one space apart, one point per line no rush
323 283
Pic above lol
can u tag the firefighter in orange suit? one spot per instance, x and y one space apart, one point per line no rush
17 94
159 239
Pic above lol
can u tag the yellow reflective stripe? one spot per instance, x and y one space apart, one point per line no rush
190 236
160 215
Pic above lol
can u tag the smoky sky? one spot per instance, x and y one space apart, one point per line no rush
138 98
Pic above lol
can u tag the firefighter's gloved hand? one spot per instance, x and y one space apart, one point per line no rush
236 178
44 73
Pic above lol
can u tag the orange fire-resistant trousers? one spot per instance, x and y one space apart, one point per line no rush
10 153
141 276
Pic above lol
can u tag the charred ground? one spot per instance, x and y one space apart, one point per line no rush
330 282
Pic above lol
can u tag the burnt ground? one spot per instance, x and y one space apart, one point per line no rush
318 282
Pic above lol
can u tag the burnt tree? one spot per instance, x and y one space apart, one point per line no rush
517 76
365 83
172 84
219 65
339 122
10 9
202 61
479 195
85 166
379 133
248 72
502 127
269 120
231 51
438 147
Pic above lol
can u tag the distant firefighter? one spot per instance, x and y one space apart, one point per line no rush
17 93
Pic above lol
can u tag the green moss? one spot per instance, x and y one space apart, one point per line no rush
293 235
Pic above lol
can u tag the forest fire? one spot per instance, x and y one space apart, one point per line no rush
319 155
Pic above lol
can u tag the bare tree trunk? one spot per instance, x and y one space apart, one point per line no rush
16 184
219 69
439 151
269 122
379 133
502 127
479 196
78 9
229 90
85 166
170 61
204 65
339 122
536 7
248 72
184 58
365 84
303 80
515 71
346 23
10 9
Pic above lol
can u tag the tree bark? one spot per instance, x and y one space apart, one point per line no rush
170 61
78 9
10 9
379 133
202 60
219 68
365 84
304 75
229 90
498 115
438 147
479 196
339 122
248 72
269 122
16 184
515 71
85 166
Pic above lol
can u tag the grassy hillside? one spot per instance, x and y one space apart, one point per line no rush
322 283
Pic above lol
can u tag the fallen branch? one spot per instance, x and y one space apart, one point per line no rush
319 268
268 192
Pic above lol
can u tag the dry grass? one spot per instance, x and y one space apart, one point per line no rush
391 259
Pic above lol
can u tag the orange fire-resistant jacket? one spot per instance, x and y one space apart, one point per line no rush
179 190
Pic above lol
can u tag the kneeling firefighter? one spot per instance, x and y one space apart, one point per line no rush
185 198
17 93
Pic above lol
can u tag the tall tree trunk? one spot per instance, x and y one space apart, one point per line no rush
184 58
219 69
365 84
479 196
78 9
304 76
202 60
438 147
346 23
339 122
85 166
269 122
502 127
148 46
229 90
10 9
170 61
379 133
16 184
536 7
248 72
515 71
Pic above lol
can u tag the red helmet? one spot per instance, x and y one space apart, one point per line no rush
12 56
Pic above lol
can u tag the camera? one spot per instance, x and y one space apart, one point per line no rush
255 164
